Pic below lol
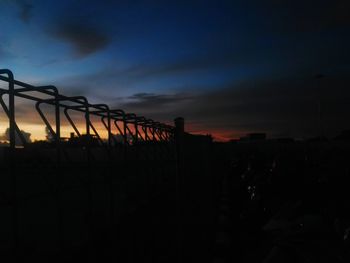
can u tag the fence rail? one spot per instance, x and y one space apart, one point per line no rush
100 179
131 127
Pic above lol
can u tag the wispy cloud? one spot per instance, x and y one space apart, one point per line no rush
162 105
117 79
189 64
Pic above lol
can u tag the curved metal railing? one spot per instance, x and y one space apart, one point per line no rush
131 127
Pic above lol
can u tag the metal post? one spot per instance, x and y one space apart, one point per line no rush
179 144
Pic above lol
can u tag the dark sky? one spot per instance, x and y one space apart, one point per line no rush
227 67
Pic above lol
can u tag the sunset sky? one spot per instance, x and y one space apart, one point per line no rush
228 67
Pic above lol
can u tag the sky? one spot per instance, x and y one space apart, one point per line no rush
228 67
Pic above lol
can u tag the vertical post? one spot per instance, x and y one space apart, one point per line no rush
125 131
57 117
145 131
59 178
179 137
12 172
88 172
136 131
153 133
179 146
87 119
12 123
109 129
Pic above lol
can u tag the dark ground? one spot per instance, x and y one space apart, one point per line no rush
248 202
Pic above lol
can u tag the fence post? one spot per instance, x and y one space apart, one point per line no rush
179 136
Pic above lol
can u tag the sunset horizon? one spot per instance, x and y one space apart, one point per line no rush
228 67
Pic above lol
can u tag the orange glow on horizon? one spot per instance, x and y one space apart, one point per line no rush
219 135
37 131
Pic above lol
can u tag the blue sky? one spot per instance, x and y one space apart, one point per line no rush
226 66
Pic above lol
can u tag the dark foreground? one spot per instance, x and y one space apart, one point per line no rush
248 202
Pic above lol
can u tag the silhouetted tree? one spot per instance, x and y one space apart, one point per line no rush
49 136
26 135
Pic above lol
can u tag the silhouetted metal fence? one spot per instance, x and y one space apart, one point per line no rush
143 129
146 149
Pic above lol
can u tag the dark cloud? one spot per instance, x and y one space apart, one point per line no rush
25 9
144 103
284 107
111 77
85 38
213 61
278 107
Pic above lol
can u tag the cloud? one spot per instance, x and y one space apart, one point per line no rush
281 108
25 9
85 38
114 77
160 107
190 64
151 100
142 71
